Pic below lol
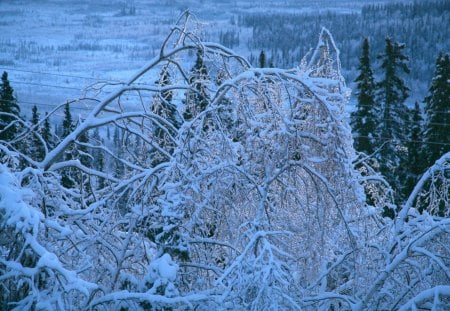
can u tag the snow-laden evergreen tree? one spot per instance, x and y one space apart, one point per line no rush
262 59
393 127
48 134
366 117
415 164
163 106
119 150
84 156
437 108
9 110
98 157
67 128
197 97
67 124
36 147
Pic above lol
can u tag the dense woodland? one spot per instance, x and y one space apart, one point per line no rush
419 25
227 186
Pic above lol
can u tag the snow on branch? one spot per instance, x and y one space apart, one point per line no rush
203 183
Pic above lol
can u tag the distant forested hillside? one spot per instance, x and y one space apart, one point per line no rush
422 26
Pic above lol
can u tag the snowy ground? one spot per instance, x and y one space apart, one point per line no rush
54 49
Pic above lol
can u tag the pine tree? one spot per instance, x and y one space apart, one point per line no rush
67 174
164 80
34 115
67 122
84 157
262 59
163 106
99 159
118 145
365 119
8 105
225 111
197 99
36 149
415 162
47 132
82 153
437 109
393 130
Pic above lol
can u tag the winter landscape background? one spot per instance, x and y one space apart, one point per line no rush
54 49
240 155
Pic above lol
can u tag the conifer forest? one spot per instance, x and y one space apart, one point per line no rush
238 155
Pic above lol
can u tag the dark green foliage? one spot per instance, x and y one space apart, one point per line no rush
67 175
98 157
393 90
197 98
36 148
84 156
393 130
262 59
416 165
437 109
47 135
163 107
68 126
366 117
82 153
168 239
230 38
8 105
34 116
419 24
225 111
119 147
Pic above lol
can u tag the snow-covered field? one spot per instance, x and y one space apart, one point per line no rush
54 49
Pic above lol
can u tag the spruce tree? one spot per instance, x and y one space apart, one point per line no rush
437 109
8 105
163 107
197 99
118 145
34 116
47 132
99 158
68 126
365 119
67 174
84 156
415 162
36 148
262 59
225 111
393 130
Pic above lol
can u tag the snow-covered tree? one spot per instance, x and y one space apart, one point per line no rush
268 213
197 97
415 163
9 110
365 119
437 109
393 128
163 106
262 59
